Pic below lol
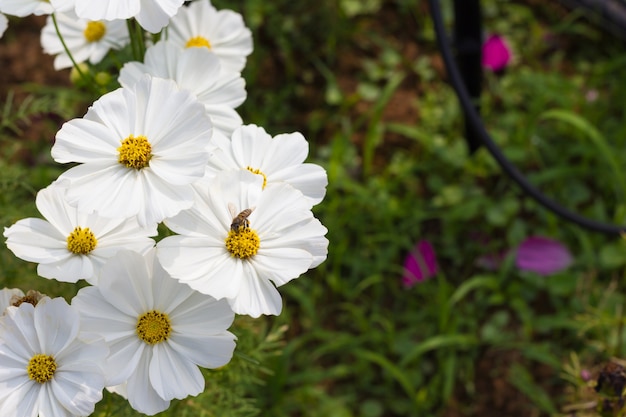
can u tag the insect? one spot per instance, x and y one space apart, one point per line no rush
240 219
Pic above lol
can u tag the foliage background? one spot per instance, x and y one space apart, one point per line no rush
363 81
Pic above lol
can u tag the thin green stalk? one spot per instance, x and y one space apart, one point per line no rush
88 80
137 42
133 46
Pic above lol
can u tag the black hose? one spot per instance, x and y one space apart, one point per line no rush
475 122
609 14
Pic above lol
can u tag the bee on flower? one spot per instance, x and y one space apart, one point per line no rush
280 240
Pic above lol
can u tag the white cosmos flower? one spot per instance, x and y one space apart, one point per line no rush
87 40
198 72
158 330
23 8
277 159
152 15
283 240
46 368
139 150
4 24
222 31
71 245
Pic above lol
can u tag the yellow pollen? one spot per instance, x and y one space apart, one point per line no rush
135 152
41 368
154 327
198 42
81 241
243 243
258 172
94 31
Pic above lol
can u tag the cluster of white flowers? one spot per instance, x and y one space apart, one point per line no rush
166 147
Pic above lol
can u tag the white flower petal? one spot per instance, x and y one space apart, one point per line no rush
281 265
141 395
172 376
18 321
83 140
256 297
23 8
70 269
202 267
155 14
311 179
76 391
194 348
36 240
201 315
286 150
107 9
56 323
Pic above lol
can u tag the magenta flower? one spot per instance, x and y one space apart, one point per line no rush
585 375
496 53
542 255
420 264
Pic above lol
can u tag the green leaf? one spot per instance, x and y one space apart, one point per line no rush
459 341
585 127
476 282
397 373
523 381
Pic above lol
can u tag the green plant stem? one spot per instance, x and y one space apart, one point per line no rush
137 43
88 80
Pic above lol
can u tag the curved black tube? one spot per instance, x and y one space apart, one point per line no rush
475 122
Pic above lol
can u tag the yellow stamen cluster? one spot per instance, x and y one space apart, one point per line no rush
41 368
243 243
94 31
81 241
258 172
198 42
154 327
135 152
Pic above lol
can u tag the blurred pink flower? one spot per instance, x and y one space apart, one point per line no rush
496 53
585 375
542 255
420 264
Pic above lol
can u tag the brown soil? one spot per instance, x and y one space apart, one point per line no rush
22 60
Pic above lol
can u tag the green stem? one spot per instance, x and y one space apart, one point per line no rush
137 41
87 79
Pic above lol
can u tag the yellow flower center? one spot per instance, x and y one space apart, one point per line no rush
81 241
94 31
154 327
198 42
243 243
41 368
135 152
258 172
